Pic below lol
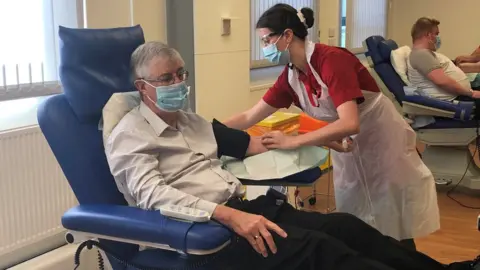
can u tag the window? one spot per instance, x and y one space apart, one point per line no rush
257 8
361 19
28 51
343 23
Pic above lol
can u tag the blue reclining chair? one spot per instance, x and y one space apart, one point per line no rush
95 63
447 139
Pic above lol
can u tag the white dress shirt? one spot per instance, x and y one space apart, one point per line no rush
155 164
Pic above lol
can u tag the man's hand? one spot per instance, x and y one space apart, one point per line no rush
254 228
256 146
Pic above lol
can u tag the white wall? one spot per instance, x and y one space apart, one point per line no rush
458 23
327 17
150 14
222 63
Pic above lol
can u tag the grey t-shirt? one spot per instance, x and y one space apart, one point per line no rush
423 61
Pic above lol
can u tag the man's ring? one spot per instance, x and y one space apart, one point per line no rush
256 237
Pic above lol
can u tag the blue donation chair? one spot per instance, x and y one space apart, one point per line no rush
447 139
95 63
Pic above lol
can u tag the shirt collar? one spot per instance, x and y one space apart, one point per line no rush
156 122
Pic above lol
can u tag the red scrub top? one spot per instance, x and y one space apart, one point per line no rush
341 71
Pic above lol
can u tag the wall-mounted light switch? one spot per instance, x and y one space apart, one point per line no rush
226 26
331 32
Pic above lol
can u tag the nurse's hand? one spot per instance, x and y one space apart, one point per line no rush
278 140
338 147
465 59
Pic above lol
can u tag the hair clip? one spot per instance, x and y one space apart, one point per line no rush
302 18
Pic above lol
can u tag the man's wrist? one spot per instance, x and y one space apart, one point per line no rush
206 206
256 146
223 214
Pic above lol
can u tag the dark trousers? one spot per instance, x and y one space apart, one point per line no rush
409 243
335 241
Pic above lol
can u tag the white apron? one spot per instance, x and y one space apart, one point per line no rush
382 181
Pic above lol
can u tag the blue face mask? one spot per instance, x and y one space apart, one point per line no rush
272 54
171 98
438 42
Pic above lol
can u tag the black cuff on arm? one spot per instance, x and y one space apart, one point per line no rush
230 142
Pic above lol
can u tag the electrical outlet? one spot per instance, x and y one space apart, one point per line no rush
331 32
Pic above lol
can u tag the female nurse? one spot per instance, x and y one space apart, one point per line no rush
382 180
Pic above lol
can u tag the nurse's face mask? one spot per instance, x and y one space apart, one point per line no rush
171 90
270 47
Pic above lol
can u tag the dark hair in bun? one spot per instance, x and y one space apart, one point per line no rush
282 16
308 15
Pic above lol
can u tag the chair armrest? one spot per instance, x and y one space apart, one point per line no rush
146 227
306 177
426 106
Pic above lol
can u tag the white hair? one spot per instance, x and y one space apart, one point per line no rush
148 51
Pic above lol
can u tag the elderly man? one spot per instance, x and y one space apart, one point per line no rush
162 155
434 74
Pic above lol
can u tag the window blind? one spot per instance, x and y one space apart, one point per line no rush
28 55
258 7
364 19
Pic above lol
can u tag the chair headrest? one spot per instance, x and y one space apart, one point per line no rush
379 49
116 108
95 63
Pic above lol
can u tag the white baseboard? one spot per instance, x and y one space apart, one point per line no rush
61 259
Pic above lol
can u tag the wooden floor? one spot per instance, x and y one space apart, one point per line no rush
458 239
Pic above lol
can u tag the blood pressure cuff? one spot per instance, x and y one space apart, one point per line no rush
230 142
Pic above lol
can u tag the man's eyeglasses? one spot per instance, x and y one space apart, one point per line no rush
169 78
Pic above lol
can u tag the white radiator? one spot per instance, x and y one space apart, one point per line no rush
33 196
